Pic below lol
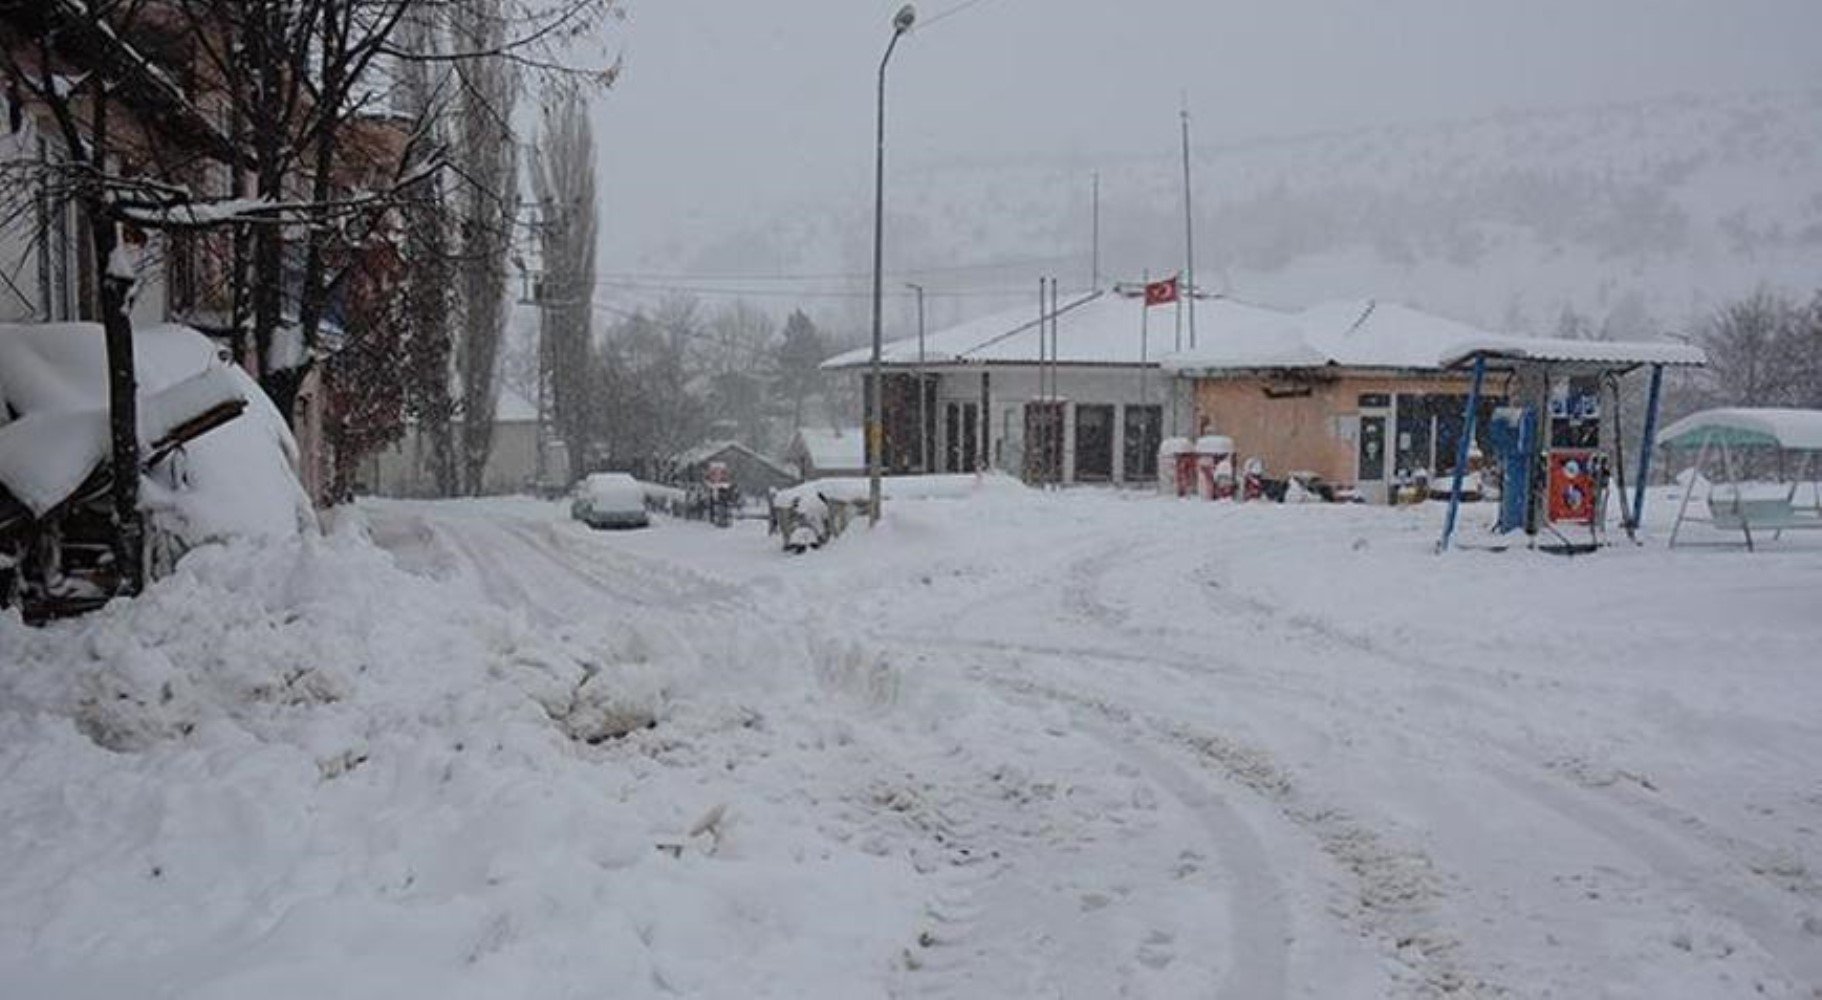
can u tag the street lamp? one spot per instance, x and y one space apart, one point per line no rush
901 23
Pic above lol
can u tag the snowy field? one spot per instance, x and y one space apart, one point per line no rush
1011 744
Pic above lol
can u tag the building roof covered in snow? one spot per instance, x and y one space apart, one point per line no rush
1350 334
829 449
511 407
721 450
1099 328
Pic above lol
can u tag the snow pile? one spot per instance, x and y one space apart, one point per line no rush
293 770
44 457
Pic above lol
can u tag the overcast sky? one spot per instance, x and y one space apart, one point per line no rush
731 110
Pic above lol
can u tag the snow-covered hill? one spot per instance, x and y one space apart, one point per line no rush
1648 213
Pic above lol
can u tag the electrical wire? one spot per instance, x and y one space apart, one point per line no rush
812 293
609 277
944 15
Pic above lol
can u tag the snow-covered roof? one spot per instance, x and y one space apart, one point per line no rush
1374 334
837 448
1363 333
1795 430
709 449
1601 352
1099 328
511 407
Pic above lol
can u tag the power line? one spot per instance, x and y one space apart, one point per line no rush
995 265
789 293
942 15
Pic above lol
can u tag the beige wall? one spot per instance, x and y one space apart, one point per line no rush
1314 432
401 470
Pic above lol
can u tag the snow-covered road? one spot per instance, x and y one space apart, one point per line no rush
1008 744
1145 748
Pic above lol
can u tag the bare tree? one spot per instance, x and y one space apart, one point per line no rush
427 303
1742 341
486 160
563 181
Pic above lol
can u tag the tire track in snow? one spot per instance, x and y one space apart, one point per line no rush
1396 888
495 581
1036 898
1746 883
1777 931
652 586
1261 922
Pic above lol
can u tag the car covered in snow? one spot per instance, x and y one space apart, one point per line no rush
610 500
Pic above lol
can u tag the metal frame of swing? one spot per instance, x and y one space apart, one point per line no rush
1739 513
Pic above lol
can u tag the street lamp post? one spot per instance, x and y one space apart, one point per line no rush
901 23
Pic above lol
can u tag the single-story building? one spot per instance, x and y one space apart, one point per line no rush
1073 397
403 468
1364 394
753 473
819 453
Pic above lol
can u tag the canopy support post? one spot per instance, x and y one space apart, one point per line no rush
1646 444
1461 451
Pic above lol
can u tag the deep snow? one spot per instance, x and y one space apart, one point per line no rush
1009 743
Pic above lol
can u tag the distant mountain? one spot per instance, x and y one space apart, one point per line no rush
1639 215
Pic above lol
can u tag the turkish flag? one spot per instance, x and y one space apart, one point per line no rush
1161 293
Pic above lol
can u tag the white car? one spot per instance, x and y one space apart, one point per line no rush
610 500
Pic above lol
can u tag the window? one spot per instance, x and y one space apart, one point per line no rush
962 437
1144 433
1094 444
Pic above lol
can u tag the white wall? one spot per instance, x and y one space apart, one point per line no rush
1011 387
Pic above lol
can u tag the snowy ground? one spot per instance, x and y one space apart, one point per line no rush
1012 745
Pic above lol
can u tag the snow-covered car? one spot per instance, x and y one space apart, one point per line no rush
610 500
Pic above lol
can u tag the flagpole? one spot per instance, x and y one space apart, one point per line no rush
1095 267
1189 229
1179 304
1056 472
1041 432
1175 425
1144 322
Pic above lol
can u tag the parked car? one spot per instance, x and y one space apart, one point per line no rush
610 500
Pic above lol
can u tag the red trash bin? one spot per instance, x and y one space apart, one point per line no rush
1214 453
1176 466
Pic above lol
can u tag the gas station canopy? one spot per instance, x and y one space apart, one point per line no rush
1504 353
1576 470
